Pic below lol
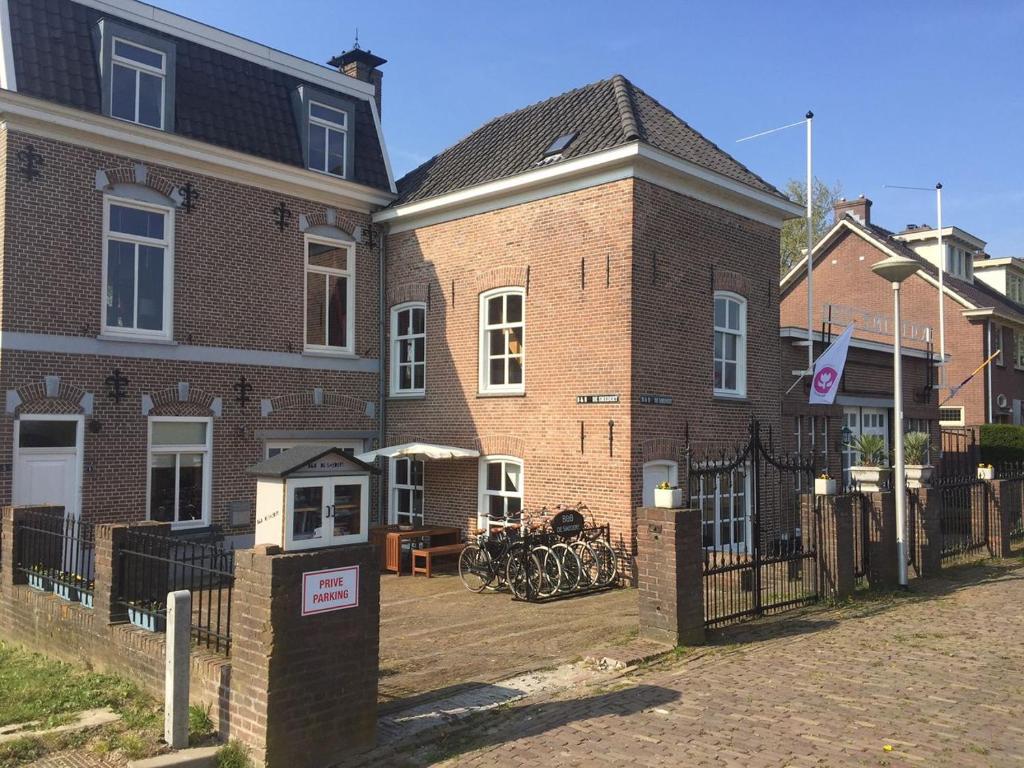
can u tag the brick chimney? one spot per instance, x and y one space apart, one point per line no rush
362 65
860 209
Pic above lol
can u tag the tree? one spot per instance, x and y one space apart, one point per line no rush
794 232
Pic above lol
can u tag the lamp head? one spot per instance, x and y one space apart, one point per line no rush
895 269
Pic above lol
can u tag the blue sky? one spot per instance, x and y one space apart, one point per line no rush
904 92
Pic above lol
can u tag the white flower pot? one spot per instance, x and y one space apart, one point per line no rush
918 475
986 473
824 486
869 479
668 498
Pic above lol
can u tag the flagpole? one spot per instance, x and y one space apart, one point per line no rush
810 247
942 293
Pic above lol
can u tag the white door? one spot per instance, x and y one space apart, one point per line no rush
656 473
48 461
862 421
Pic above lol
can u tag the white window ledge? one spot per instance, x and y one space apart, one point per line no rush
138 338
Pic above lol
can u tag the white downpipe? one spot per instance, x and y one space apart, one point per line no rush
810 248
900 479
942 290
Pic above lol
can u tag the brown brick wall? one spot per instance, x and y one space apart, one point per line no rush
238 284
843 276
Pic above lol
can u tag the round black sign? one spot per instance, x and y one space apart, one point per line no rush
567 523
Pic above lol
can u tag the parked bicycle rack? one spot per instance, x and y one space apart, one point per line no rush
566 528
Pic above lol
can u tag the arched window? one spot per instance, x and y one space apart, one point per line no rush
501 487
408 349
730 358
502 341
330 295
656 473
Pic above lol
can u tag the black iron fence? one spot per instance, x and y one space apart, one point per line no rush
57 553
962 511
151 565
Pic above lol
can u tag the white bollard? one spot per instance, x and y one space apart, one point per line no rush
176 672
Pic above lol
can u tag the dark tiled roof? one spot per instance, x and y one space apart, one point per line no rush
293 459
604 115
977 293
219 98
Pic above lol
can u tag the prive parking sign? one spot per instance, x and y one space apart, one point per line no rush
330 590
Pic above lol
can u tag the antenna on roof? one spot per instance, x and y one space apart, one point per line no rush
355 45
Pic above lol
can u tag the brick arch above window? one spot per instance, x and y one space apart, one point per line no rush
509 276
325 224
51 395
405 293
660 449
501 445
734 282
167 401
138 183
318 398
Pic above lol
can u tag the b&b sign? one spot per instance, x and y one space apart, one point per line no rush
330 590
567 523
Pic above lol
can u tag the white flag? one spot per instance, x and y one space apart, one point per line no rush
828 370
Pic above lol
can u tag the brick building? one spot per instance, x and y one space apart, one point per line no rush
978 317
570 288
189 282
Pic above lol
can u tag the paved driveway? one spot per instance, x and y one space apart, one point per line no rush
937 676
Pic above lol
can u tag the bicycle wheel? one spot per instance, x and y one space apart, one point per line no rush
590 565
606 562
522 570
550 570
475 568
572 568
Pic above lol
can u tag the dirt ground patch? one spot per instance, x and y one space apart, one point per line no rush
436 636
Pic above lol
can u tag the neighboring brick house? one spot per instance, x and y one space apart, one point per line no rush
189 279
570 289
977 316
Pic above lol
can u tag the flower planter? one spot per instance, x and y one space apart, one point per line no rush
85 598
869 479
668 498
824 486
64 592
40 582
986 473
148 621
919 475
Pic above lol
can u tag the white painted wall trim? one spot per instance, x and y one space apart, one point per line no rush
383 145
8 80
187 29
88 345
633 160
55 121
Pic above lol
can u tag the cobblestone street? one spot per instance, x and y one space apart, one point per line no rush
930 679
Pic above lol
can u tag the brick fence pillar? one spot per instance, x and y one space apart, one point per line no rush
303 688
828 527
9 573
1002 496
925 524
883 571
670 571
107 588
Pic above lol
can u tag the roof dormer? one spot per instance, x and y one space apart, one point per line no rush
959 248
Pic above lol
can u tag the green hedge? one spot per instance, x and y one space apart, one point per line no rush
1001 442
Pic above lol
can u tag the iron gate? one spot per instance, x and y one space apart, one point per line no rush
759 556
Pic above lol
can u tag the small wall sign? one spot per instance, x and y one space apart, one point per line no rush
568 523
596 399
332 590
655 399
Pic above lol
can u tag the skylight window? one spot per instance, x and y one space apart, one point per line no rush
558 146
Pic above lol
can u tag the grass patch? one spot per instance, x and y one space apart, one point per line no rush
233 755
200 725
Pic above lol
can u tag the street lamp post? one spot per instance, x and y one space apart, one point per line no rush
896 269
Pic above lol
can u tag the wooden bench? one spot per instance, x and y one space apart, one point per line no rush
427 554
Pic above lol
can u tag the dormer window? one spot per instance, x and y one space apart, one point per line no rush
959 262
138 75
1015 288
328 135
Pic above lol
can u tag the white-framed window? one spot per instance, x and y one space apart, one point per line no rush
997 343
730 345
180 470
273 447
810 438
406 491
1015 288
951 416
408 349
138 78
724 501
501 487
330 295
138 268
328 135
1018 349
959 262
503 341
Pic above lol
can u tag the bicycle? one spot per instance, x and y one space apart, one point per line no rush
483 563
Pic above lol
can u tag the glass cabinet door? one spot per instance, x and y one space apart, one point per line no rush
348 508
307 503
